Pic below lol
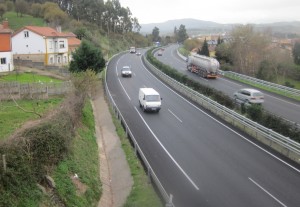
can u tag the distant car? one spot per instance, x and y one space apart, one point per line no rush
126 71
132 50
160 53
138 53
249 96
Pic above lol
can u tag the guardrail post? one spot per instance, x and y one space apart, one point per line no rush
170 203
149 175
4 164
135 149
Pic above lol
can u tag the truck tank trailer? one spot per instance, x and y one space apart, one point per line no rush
204 66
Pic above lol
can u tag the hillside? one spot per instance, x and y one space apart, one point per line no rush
194 26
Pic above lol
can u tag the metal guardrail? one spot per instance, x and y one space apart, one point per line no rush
285 89
280 143
150 172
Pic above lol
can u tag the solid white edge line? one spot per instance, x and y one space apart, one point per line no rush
274 156
185 174
124 89
174 115
267 192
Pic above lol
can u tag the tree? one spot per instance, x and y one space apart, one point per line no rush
181 33
21 7
9 5
223 53
36 10
296 53
220 41
155 34
2 10
204 50
56 17
87 57
80 32
248 49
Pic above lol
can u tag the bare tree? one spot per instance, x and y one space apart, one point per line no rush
21 7
248 49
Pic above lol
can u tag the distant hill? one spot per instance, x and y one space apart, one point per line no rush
195 27
190 24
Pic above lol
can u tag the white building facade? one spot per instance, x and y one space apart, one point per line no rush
40 44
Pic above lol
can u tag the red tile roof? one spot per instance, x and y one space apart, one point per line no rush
73 41
43 31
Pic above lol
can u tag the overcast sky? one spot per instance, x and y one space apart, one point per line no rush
220 11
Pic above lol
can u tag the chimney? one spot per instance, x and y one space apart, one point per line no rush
5 24
58 29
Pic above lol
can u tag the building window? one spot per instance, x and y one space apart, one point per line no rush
65 59
51 60
3 61
61 44
51 44
26 34
58 59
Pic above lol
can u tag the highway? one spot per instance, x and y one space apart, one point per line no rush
199 159
278 105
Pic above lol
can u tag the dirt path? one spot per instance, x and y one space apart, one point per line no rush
114 170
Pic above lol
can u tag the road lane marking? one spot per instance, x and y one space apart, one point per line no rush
117 66
174 115
180 168
124 89
229 128
267 192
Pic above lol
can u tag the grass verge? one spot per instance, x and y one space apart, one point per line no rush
82 161
142 193
12 117
27 78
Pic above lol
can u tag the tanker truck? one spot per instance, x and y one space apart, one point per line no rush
204 66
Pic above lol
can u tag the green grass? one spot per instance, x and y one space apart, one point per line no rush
16 22
83 161
27 78
13 117
142 193
183 51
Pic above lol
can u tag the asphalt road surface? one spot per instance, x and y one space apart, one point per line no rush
199 159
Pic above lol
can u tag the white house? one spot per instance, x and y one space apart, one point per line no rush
6 56
40 44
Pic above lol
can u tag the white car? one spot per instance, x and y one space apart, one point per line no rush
248 95
126 71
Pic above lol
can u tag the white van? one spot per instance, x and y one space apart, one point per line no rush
149 99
